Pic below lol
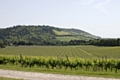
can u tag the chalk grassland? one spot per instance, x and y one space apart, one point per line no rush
61 32
62 51
68 38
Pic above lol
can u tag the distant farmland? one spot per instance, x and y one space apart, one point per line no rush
62 51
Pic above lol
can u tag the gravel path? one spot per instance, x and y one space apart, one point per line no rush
44 76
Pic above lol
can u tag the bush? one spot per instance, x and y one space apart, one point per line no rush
2 45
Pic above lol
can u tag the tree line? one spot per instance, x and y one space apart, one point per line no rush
96 42
106 42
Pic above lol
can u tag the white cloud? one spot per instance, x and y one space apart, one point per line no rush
86 2
98 5
101 6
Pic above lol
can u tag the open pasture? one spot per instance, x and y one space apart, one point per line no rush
62 51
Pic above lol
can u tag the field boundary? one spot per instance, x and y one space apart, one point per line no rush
44 76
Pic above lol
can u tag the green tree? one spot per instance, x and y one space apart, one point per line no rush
2 45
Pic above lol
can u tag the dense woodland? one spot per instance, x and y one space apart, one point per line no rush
106 42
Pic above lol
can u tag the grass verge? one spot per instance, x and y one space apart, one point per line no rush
79 72
5 78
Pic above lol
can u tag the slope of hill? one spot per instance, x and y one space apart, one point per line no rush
71 34
40 34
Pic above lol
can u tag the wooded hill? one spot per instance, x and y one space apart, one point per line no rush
42 34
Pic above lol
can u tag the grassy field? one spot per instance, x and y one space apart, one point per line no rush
62 51
90 52
68 38
79 72
61 32
5 78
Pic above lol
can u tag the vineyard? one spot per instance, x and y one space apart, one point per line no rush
102 64
62 51
80 60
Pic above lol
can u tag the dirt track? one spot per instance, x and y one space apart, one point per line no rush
43 76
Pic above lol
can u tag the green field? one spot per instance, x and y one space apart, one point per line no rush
62 51
68 38
81 60
72 66
61 32
5 78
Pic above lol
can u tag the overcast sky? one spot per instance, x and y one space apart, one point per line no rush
98 17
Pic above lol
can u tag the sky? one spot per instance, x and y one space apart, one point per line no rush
98 17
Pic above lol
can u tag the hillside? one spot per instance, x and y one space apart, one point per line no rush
41 34
71 34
